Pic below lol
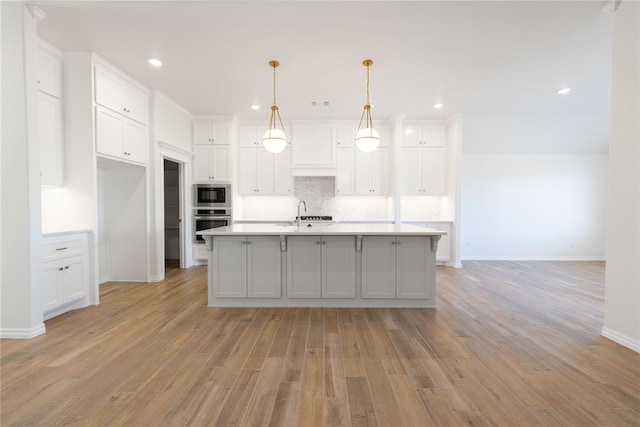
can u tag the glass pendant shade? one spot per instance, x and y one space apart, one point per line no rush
274 140
367 140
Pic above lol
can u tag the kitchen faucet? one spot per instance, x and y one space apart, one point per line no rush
305 209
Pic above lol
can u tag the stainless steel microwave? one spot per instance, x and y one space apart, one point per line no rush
212 195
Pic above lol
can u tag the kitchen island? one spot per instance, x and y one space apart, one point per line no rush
326 265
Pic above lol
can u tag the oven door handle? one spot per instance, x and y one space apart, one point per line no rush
211 217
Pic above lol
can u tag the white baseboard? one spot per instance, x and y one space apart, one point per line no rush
103 279
158 278
532 258
621 339
24 334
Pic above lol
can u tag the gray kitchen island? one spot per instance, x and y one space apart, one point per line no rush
327 265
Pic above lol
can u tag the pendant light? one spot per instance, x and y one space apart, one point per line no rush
274 139
367 139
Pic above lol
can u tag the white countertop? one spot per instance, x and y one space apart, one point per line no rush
322 229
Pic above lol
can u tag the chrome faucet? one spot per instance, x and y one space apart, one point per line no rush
305 209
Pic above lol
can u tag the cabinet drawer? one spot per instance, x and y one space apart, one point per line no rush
63 249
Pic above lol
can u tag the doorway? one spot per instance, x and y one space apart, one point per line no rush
172 216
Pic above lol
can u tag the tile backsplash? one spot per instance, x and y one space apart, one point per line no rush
319 194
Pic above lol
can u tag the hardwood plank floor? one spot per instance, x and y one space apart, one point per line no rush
511 343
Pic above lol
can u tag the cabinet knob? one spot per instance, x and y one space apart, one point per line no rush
66 267
317 243
60 269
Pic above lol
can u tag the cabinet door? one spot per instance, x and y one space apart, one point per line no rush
338 267
247 163
135 103
49 77
51 285
109 90
202 132
412 273
411 171
50 136
220 133
282 179
201 163
378 267
385 135
264 267
109 132
380 172
221 161
433 171
303 267
73 278
230 281
248 136
412 135
136 142
433 135
345 178
264 171
346 135
363 173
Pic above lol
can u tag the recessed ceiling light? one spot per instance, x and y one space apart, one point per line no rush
438 106
255 107
155 62
564 90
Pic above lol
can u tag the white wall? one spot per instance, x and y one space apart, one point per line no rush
171 137
20 284
125 218
622 293
533 206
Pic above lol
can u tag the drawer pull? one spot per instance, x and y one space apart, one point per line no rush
62 249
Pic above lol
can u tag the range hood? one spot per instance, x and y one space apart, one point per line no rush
314 149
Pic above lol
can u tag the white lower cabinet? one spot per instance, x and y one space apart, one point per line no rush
321 267
251 267
65 273
396 267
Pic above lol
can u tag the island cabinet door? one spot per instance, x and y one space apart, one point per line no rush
378 267
264 267
304 267
229 272
412 268
339 267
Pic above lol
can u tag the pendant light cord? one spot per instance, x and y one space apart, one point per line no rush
274 84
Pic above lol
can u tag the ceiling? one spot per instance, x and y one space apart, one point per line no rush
474 57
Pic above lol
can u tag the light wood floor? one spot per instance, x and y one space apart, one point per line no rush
511 343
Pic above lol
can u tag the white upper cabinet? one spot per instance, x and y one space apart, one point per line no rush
314 148
211 132
346 135
256 171
50 118
211 163
250 136
282 179
372 172
345 178
422 171
49 71
51 142
121 137
424 135
124 97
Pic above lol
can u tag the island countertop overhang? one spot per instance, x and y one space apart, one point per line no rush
322 229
